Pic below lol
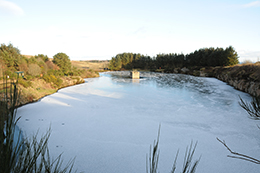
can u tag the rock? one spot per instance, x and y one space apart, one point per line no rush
185 70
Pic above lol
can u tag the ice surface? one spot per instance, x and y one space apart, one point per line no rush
109 123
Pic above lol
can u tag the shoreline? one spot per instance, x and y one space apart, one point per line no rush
225 74
33 94
245 78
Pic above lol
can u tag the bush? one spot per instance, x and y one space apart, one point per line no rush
52 79
28 77
34 70
51 65
58 82
25 83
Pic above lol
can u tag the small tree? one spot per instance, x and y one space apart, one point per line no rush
34 70
62 60
11 56
231 56
43 57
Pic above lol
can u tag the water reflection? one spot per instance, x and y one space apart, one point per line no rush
198 89
123 77
161 80
135 80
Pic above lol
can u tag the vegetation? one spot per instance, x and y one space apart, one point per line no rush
39 69
253 110
94 65
11 61
244 71
18 154
206 57
188 166
63 62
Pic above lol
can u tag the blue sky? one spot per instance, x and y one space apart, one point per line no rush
100 29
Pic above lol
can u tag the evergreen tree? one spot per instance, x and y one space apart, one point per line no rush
231 55
11 56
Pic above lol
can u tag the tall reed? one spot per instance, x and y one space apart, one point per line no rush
188 165
23 155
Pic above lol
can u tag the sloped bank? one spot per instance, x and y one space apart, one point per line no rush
39 88
242 77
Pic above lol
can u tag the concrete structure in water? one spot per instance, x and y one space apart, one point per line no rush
135 74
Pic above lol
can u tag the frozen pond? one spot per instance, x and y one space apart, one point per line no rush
109 123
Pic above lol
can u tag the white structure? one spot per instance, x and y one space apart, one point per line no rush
135 74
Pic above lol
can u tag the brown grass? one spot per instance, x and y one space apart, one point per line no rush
250 71
97 66
28 56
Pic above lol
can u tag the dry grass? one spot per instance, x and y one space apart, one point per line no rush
28 56
248 71
39 88
94 65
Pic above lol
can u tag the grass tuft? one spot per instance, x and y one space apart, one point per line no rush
188 165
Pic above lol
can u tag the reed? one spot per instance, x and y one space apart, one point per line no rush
188 165
23 155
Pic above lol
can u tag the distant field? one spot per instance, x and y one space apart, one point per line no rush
91 64
94 65
28 56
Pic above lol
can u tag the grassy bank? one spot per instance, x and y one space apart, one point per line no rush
39 88
36 88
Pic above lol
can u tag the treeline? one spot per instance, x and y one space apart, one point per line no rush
206 57
11 61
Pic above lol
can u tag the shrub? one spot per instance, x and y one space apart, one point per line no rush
47 78
25 83
51 65
23 66
44 58
58 82
52 79
34 69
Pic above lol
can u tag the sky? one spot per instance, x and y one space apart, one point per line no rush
100 29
